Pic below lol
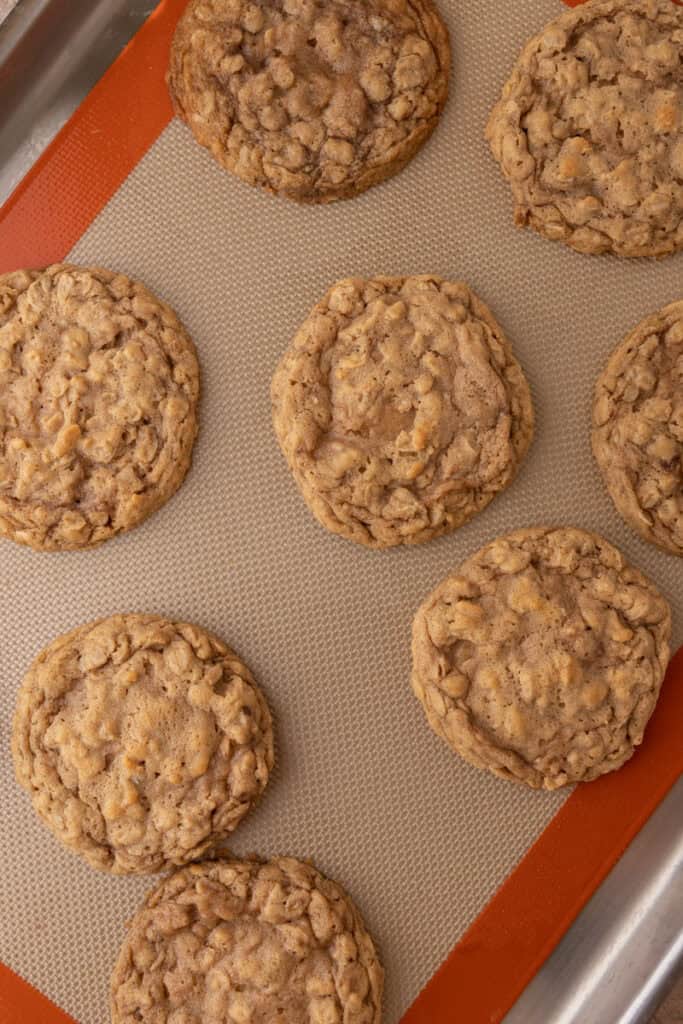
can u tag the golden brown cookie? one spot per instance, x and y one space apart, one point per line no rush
588 129
248 942
142 742
400 409
542 657
312 100
638 428
99 385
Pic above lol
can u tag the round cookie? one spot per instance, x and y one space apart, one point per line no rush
638 428
246 941
400 409
312 100
99 386
542 657
588 129
142 742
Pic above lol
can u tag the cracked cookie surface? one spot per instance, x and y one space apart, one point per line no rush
638 428
542 657
400 409
588 129
99 386
142 742
314 101
247 942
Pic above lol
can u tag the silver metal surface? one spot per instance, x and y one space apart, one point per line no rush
51 54
617 961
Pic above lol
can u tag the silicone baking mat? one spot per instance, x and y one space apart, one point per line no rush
362 786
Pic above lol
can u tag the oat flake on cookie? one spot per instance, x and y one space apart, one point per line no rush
401 409
638 428
99 385
312 100
248 942
588 129
142 742
541 657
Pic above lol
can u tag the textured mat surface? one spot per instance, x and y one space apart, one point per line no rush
361 786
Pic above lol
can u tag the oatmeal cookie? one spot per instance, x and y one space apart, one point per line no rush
313 100
588 129
99 386
400 409
542 657
248 942
638 428
142 742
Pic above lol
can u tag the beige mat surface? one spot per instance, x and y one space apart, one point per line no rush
5 7
361 786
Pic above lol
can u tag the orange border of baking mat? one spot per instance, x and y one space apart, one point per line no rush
505 946
21 1003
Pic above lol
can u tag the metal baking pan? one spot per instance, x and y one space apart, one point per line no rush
617 961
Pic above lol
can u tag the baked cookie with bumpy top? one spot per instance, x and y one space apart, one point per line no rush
588 129
247 941
312 100
99 386
542 657
400 409
638 428
142 742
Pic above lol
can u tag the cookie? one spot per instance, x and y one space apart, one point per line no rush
142 742
588 129
247 942
99 385
542 657
638 428
400 409
309 99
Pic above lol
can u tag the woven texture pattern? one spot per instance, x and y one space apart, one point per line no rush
361 785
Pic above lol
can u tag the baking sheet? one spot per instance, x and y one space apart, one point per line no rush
361 786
